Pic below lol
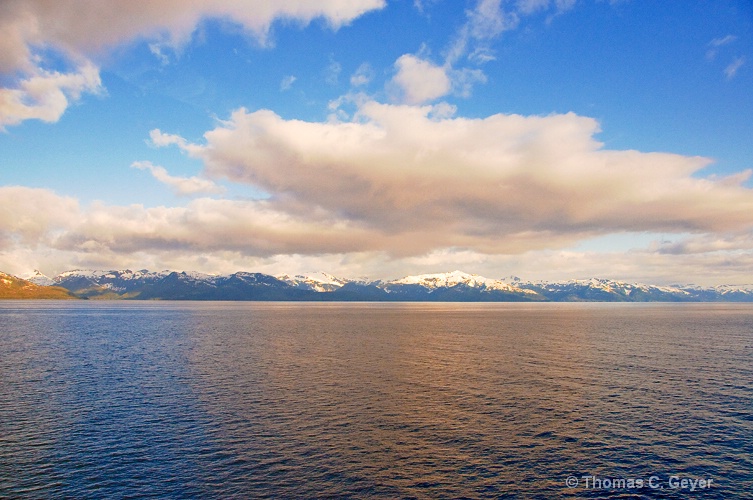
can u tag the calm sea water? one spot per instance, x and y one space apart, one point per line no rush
237 400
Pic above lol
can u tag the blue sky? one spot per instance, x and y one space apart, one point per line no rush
548 139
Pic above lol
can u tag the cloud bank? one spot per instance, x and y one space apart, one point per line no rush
478 183
404 186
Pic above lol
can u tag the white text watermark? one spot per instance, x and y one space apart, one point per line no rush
656 482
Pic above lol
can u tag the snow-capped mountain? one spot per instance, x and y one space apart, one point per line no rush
38 278
171 285
596 289
455 278
453 286
107 284
731 293
318 282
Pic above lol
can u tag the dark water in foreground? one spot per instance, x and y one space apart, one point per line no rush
235 400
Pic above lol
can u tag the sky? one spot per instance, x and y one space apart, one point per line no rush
547 139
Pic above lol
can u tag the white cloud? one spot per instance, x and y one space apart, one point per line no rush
483 24
531 6
81 31
718 42
46 95
159 139
731 70
419 80
363 75
463 80
487 21
183 186
287 82
158 50
418 179
60 24
30 216
332 72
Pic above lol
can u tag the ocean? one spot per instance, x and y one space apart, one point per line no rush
375 400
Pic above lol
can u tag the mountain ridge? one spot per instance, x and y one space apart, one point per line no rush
13 287
455 286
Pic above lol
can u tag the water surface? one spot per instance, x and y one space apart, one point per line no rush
381 400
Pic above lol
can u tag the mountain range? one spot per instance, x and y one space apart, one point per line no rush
454 286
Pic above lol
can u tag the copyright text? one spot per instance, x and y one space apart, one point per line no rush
670 482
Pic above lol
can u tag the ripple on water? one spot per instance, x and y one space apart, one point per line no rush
174 400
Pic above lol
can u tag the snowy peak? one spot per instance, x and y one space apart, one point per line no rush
606 290
318 282
455 278
38 278
125 274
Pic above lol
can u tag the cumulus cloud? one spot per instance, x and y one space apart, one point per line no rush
31 23
420 179
81 31
46 95
183 186
418 80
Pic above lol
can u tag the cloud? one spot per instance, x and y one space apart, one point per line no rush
418 179
32 23
418 80
332 71
485 23
157 51
183 186
287 83
41 229
80 32
363 75
463 80
395 186
30 216
46 95
401 188
731 70
716 43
